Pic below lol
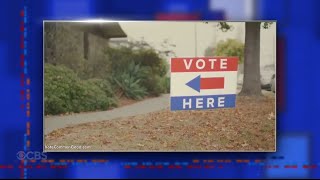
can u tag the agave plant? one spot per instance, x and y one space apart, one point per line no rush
128 81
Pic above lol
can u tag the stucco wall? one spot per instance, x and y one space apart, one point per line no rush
97 46
64 43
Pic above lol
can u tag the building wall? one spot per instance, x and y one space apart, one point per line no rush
64 44
97 47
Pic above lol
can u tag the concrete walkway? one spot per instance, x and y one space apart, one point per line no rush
146 106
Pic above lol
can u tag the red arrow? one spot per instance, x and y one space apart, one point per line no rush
206 83
212 83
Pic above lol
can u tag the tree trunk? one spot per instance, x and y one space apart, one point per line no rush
251 79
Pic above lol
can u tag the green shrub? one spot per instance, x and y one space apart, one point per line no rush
65 92
149 58
143 65
104 85
153 85
76 85
166 84
230 47
93 97
60 86
95 68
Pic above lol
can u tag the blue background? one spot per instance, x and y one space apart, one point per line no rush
298 122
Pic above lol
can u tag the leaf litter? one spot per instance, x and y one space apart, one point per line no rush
248 127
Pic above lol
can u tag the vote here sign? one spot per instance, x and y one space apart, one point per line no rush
203 83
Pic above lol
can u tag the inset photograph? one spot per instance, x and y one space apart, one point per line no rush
159 86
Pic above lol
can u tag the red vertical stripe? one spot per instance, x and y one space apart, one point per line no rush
21 63
177 16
